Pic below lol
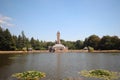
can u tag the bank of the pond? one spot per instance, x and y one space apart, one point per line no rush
15 52
106 51
96 51
69 51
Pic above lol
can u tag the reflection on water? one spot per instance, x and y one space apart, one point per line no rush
6 59
57 66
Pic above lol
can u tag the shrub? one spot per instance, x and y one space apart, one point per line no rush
90 49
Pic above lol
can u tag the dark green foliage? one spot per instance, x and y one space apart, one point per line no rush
32 42
105 43
93 41
70 44
6 40
73 44
21 42
36 44
40 45
85 44
79 44
109 43
2 38
115 42
15 41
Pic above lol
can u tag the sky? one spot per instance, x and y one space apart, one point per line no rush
75 19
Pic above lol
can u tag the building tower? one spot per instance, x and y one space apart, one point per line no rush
58 37
58 47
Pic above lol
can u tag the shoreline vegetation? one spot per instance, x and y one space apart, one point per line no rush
100 74
47 51
21 43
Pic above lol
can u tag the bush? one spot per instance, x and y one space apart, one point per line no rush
24 49
90 49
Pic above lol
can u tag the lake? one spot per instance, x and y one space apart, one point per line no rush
57 66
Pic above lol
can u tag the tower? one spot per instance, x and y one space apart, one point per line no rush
58 37
58 47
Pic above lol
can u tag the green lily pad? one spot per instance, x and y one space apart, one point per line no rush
100 74
29 75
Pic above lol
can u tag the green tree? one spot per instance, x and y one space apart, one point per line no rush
2 39
85 43
118 45
78 44
70 44
32 42
15 41
93 41
109 43
22 41
63 42
19 44
9 43
37 45
28 44
43 45
115 42
105 43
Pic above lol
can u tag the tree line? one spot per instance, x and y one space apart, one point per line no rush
21 42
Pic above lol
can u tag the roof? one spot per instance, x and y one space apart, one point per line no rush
58 46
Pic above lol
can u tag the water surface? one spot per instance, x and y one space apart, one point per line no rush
57 66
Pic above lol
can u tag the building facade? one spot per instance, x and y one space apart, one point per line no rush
58 47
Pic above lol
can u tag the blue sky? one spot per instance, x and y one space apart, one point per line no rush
75 19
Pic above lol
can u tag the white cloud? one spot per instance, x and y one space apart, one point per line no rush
5 21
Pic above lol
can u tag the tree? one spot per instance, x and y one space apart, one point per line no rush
118 45
28 44
24 39
9 43
12 42
32 42
2 39
105 43
19 44
85 43
63 42
78 44
110 42
70 44
36 44
43 45
115 42
93 41
15 41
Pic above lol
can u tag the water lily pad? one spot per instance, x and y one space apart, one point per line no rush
100 74
29 75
